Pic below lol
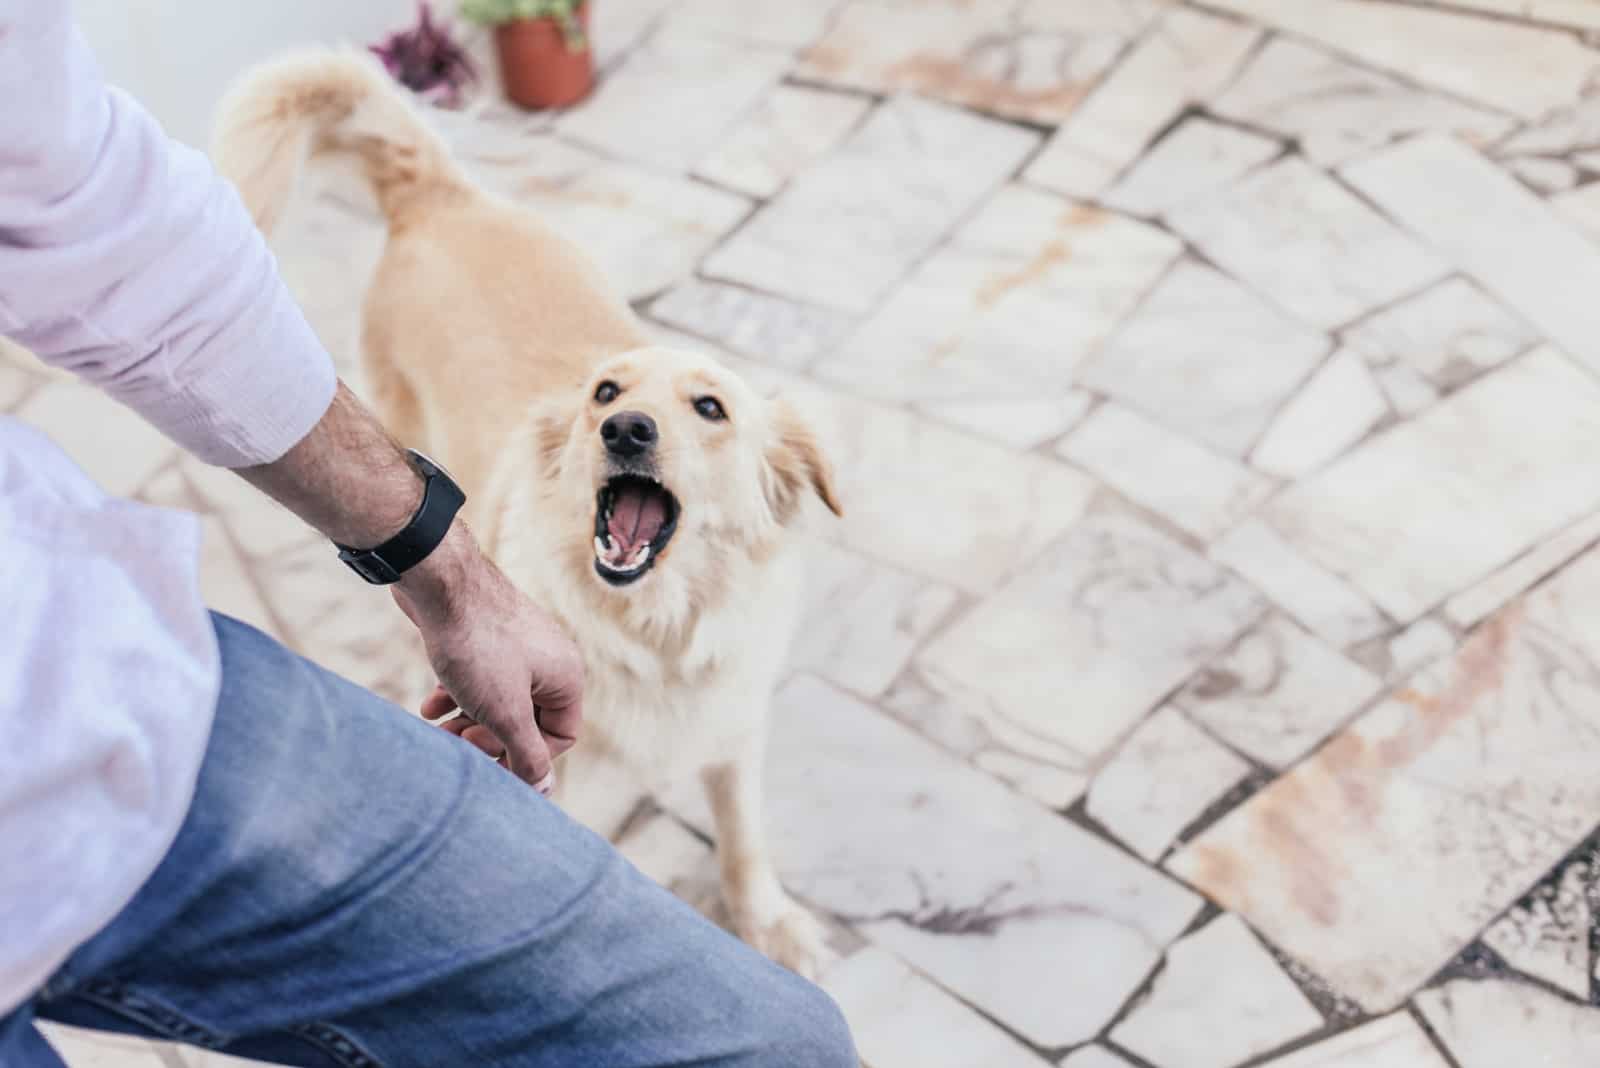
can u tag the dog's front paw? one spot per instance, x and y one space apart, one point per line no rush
792 937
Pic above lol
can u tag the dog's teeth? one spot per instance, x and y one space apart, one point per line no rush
601 549
639 557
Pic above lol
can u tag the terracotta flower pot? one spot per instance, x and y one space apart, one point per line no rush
538 68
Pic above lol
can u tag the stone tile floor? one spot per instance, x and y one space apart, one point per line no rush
1208 671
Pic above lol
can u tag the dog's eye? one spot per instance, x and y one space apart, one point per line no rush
606 392
710 408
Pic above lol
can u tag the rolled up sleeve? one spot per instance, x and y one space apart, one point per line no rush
127 260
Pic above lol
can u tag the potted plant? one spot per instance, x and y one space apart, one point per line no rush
427 60
545 60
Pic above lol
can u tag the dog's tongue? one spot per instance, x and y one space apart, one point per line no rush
638 512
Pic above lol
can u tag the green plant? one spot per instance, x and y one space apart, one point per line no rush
495 12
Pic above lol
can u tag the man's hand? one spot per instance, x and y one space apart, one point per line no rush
515 676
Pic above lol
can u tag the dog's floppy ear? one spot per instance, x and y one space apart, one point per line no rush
794 464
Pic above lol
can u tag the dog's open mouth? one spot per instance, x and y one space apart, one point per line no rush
633 521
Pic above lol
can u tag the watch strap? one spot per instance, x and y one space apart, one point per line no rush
441 500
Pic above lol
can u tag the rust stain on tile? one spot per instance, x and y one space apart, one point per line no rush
951 79
1051 255
564 190
828 60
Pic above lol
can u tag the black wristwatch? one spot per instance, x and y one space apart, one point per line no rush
441 500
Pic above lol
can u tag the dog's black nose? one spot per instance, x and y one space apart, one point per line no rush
628 433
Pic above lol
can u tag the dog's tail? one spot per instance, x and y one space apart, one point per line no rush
282 113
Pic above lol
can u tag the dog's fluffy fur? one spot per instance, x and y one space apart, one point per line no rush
486 341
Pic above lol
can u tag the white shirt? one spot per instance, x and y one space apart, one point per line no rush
126 260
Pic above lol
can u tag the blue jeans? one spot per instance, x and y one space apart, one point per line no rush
355 887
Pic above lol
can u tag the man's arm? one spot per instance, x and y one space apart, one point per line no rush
126 259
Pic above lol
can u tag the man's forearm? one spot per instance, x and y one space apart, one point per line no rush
350 480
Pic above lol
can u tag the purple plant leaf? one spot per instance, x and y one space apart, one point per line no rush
427 60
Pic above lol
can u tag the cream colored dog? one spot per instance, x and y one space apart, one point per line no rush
646 496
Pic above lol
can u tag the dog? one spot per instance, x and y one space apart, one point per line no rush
646 496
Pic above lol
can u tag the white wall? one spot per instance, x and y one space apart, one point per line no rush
177 56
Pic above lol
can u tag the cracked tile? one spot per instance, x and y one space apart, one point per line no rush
1308 244
1034 64
1494 230
1378 858
846 229
1192 1019
1337 109
675 97
1333 411
1492 1023
1450 334
1094 1057
1424 510
770 22
1194 489
1521 69
1321 601
889 1007
952 716
949 854
758 325
1469 606
1007 309
1089 638
1184 58
1204 356
1388 1042
1546 934
863 619
1404 388
788 130
1022 423
1164 776
646 230
1197 159
1278 693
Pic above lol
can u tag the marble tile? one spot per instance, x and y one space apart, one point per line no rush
1198 158
1534 69
620 25
1094 1057
646 230
117 448
966 881
1005 311
770 22
1378 858
1450 333
1416 646
1336 109
667 851
1205 356
1022 423
1492 1023
1471 605
1546 934
1422 511
1164 776
1321 601
755 324
1332 412
1183 59
260 526
890 1009
1404 388
863 619
15 385
98 1049
226 584
1193 488
845 230
1563 136
1394 1041
1307 243
1579 14
1193 1019
1544 176
953 716
979 510
1083 642
983 55
1494 230
675 97
1580 208
788 129
1277 693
